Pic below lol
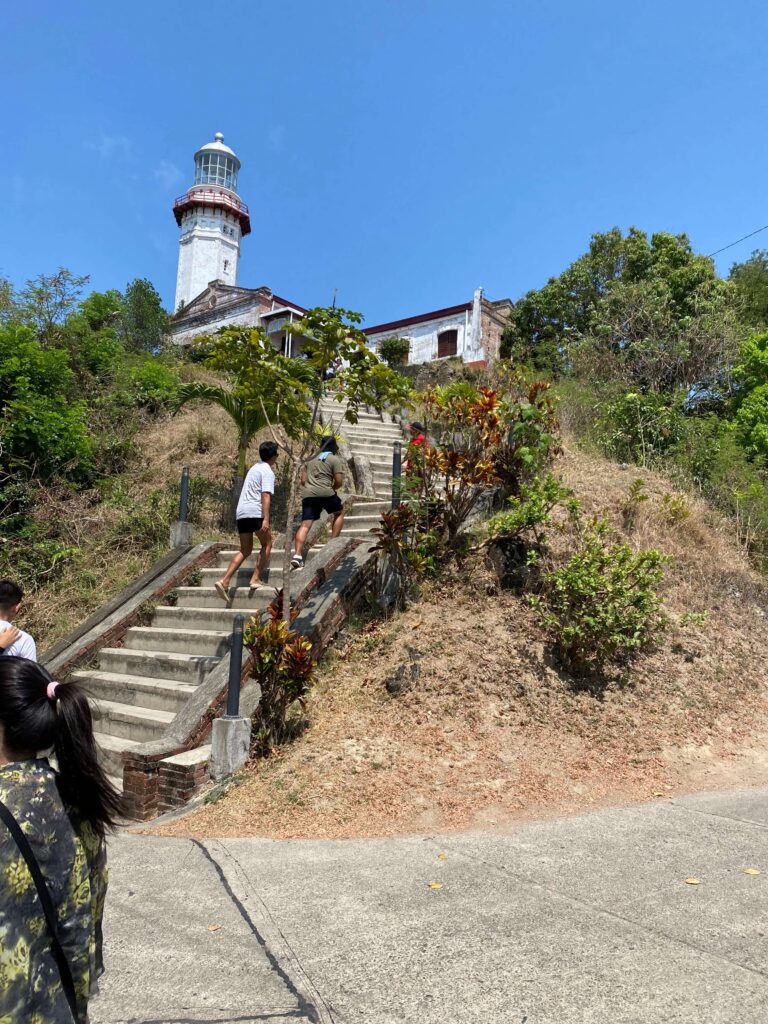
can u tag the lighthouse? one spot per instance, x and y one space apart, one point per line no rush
212 218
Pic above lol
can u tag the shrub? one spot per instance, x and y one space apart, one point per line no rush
630 507
394 351
531 510
752 423
635 427
25 363
46 436
283 668
603 605
153 386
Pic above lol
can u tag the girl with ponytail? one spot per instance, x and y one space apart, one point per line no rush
53 874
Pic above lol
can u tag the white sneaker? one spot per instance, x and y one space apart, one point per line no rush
297 562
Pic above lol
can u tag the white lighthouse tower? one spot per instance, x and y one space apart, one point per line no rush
213 219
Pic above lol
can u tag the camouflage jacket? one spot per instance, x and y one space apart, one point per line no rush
72 858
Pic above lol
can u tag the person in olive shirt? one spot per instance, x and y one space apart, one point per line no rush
321 478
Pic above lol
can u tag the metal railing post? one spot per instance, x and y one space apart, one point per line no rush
235 669
184 497
397 469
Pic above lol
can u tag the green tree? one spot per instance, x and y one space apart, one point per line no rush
47 300
751 281
144 322
623 285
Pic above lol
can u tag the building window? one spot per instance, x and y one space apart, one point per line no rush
226 265
447 343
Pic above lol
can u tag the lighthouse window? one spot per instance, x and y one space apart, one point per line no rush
216 169
226 264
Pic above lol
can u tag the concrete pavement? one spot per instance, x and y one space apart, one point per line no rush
584 920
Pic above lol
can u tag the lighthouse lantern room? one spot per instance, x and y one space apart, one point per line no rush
213 219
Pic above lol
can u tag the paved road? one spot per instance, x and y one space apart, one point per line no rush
573 921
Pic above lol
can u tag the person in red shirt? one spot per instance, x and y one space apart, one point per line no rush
416 439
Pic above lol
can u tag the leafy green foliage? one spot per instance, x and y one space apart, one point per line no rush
154 386
530 512
751 282
38 436
46 301
634 501
481 438
751 423
282 666
144 322
394 351
652 309
603 605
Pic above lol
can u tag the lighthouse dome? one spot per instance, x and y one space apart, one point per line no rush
216 164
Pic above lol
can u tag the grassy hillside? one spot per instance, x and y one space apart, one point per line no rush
115 532
493 731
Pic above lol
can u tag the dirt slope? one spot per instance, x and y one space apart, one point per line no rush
491 732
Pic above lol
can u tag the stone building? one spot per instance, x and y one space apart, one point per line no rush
213 220
472 331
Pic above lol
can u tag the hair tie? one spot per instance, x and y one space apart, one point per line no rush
51 691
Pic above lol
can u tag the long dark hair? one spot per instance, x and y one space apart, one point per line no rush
31 720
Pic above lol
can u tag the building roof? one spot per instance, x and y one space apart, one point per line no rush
217 146
436 314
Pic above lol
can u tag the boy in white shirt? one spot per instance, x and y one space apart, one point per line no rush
14 643
252 516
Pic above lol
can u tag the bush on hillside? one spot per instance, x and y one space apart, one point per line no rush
602 606
153 386
42 437
394 351
283 667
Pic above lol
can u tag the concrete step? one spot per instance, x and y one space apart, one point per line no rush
275 562
110 751
243 576
239 597
158 694
219 618
185 668
128 721
360 522
214 643
374 446
358 531
375 428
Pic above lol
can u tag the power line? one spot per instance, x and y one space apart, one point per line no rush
731 244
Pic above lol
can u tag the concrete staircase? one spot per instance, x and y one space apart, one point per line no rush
370 437
138 688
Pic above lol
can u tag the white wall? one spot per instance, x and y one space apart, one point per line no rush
209 250
423 337
243 318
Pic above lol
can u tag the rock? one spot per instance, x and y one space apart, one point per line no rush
362 474
405 675
509 558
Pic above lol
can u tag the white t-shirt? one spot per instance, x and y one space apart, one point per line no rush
260 478
24 647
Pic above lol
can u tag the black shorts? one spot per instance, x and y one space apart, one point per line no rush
313 508
249 525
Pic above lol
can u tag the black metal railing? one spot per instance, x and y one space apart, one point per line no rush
184 495
235 669
397 473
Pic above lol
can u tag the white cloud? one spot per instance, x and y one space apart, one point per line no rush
167 173
109 146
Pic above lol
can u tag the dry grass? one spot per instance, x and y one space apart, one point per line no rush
492 732
107 561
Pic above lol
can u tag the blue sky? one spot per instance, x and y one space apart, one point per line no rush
402 151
